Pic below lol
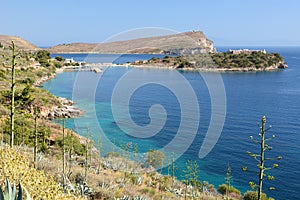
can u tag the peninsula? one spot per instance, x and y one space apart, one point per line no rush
243 60
184 51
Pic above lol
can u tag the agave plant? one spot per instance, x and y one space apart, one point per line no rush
139 198
10 192
83 189
133 198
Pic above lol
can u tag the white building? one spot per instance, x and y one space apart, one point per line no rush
69 60
245 51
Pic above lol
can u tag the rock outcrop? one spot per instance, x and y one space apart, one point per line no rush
281 65
67 110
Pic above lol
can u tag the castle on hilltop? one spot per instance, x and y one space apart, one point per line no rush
245 51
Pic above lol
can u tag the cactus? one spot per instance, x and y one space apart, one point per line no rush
10 192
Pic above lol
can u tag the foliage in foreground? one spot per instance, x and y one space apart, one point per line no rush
15 167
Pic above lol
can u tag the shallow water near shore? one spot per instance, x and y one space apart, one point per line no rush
249 96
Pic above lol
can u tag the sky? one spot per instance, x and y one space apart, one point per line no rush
226 22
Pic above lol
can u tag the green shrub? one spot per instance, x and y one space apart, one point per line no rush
155 158
152 192
224 187
113 154
72 143
57 65
253 195
144 190
59 58
147 190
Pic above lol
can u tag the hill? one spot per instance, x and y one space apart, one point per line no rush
194 42
20 43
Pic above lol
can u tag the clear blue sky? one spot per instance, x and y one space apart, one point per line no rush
226 22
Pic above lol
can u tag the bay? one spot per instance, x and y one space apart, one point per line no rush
249 96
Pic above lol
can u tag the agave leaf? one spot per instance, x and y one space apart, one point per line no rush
13 193
19 193
1 194
28 197
8 189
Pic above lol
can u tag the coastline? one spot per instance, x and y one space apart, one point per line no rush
105 53
97 68
161 68
211 69
66 108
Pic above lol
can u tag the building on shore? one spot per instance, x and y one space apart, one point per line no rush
69 61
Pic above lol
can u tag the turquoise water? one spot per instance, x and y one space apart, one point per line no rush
108 58
248 97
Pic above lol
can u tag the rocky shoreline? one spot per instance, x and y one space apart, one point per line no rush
67 110
210 69
187 69
255 61
40 81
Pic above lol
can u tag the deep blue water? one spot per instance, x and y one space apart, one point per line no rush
248 97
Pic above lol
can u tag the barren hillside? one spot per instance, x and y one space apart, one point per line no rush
189 40
20 43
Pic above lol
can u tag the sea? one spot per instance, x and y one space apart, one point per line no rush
207 117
